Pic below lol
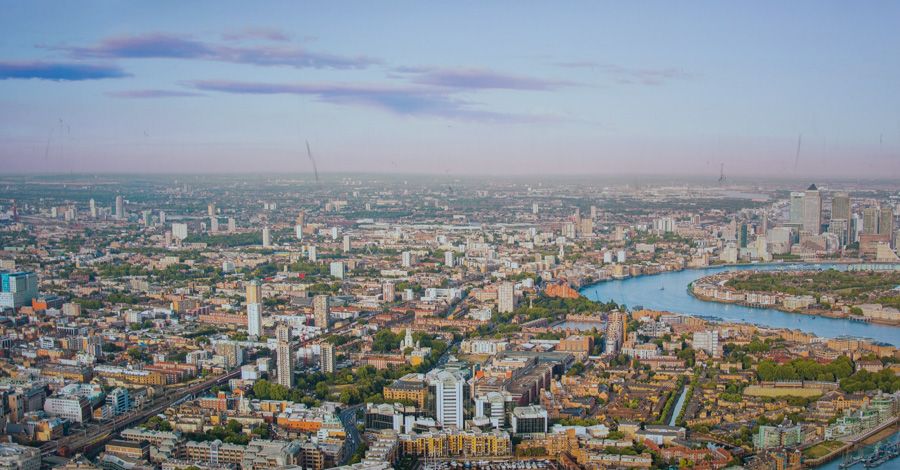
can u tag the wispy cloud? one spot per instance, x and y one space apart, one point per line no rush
478 79
170 46
58 71
631 75
152 94
260 33
403 100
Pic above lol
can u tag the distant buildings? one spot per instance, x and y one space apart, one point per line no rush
812 210
284 353
266 237
506 297
180 231
320 311
327 358
387 292
254 309
796 208
337 269
870 220
120 208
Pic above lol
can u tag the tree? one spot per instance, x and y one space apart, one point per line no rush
576 369
385 340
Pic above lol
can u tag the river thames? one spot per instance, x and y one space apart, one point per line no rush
669 292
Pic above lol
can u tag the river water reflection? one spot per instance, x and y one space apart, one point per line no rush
668 291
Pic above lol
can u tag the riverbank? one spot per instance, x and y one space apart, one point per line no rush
842 263
811 313
668 292
712 288
880 433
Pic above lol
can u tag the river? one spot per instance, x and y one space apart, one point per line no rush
867 450
669 292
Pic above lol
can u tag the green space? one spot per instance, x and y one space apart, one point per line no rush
822 449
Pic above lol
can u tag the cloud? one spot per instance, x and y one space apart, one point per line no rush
147 46
170 46
58 71
479 79
404 100
631 75
152 94
264 34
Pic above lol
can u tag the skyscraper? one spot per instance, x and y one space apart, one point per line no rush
211 209
320 311
120 207
448 396
266 236
870 220
506 297
284 352
615 332
796 216
254 320
254 293
886 221
254 309
840 217
346 247
840 206
92 205
327 358
812 210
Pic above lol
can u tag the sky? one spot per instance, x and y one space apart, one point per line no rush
761 88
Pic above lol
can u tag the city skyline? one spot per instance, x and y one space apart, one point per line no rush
593 89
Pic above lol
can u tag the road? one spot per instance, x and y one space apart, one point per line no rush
96 434
348 418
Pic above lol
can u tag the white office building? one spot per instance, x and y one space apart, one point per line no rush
449 396
180 231
254 319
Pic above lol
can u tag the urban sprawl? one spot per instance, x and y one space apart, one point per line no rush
375 322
